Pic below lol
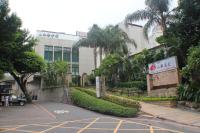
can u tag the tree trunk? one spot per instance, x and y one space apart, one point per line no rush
22 86
100 54
95 57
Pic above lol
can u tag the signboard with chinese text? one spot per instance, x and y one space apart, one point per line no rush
163 65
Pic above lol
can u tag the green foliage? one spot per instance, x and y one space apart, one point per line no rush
122 101
146 98
189 92
114 99
16 56
192 69
55 74
89 102
156 12
149 99
29 63
89 91
123 69
92 79
140 85
1 74
110 64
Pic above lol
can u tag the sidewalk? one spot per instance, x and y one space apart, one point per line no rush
174 114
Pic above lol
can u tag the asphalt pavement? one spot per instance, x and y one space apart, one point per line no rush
48 117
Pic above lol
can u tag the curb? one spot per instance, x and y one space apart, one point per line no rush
163 118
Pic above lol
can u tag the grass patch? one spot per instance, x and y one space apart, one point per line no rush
87 101
145 98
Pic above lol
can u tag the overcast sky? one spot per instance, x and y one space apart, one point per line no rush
70 16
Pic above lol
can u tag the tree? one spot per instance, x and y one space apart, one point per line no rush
109 67
110 40
116 41
55 74
16 56
25 67
184 31
156 13
94 39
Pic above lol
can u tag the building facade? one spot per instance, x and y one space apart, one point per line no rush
58 46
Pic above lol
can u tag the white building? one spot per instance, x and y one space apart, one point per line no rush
56 46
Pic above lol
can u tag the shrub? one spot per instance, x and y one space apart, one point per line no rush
122 101
141 85
115 99
84 100
91 92
189 92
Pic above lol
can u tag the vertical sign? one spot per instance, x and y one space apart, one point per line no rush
98 86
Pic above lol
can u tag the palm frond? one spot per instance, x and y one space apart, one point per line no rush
149 23
138 15
82 43
159 5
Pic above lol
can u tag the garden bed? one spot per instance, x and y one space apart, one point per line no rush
89 102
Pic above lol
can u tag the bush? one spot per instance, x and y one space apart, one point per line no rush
122 101
141 85
149 99
91 92
84 100
189 92
114 99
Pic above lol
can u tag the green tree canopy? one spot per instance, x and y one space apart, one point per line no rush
156 13
54 74
16 56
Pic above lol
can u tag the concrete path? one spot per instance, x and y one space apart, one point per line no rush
173 114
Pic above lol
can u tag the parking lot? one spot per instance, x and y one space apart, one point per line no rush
62 118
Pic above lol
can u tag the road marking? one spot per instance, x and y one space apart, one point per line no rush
60 111
175 131
12 129
45 110
59 125
88 125
151 129
118 125
53 127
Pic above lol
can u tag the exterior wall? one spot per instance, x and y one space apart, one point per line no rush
42 41
135 33
86 55
56 95
86 60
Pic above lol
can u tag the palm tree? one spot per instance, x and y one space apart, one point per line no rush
116 40
157 13
110 40
95 40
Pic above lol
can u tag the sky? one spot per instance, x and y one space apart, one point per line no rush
70 16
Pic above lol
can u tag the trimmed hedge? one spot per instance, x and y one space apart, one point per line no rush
114 99
84 100
141 85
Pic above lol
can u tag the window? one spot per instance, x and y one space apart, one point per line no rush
75 55
75 69
66 54
48 53
57 53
